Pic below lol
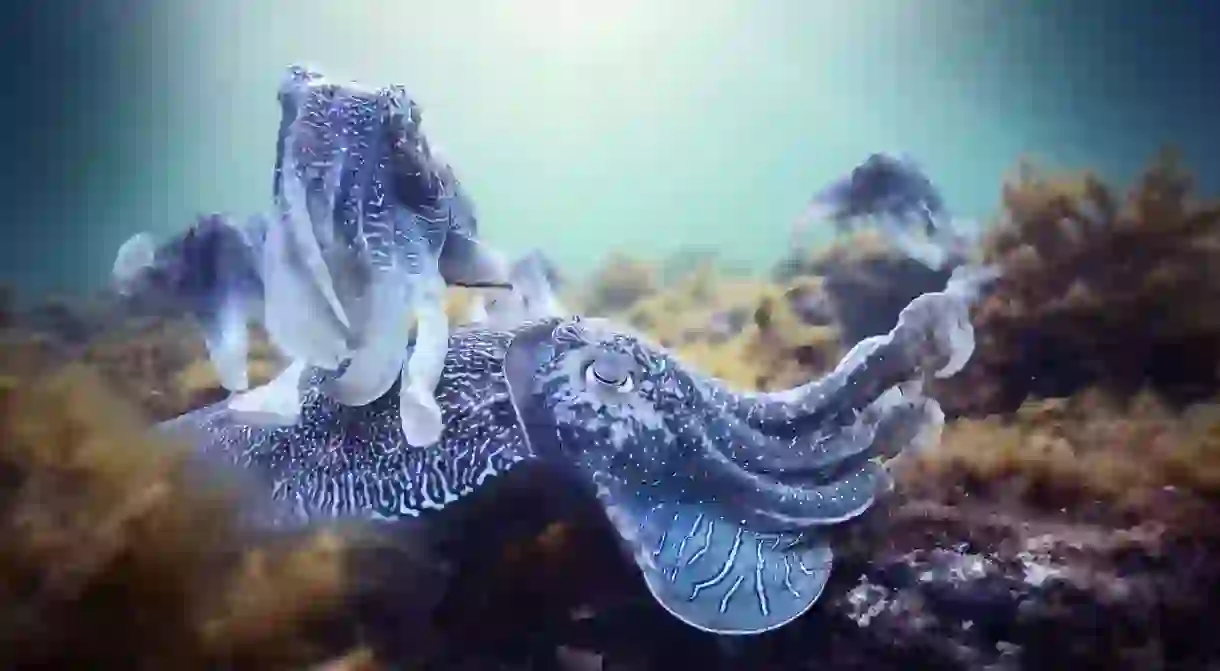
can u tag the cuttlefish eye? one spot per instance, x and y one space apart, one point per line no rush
612 370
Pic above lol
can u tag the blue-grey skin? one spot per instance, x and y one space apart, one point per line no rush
353 166
721 499
892 194
376 188
365 214
211 272
884 186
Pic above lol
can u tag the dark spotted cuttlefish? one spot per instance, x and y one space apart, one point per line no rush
721 498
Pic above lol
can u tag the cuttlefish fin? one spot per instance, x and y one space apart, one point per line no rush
422 422
714 574
226 335
298 319
378 361
277 403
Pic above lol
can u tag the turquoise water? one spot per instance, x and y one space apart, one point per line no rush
644 125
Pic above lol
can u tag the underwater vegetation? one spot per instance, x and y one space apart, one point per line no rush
724 472
617 284
747 332
1094 456
1100 287
114 551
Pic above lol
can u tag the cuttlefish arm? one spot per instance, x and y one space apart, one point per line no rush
299 324
311 159
933 337
421 416
398 294
726 540
175 274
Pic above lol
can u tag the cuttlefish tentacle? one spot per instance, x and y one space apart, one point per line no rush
306 196
933 337
817 426
724 540
422 420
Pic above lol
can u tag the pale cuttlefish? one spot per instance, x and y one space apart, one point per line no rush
369 227
212 272
723 500
893 194
532 296
365 212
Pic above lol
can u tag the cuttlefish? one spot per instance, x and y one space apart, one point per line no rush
364 213
368 228
721 499
892 193
211 272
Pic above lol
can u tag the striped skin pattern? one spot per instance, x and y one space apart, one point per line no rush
339 461
723 500
719 576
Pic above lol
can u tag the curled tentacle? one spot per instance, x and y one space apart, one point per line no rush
933 338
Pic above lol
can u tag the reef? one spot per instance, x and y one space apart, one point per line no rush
1064 520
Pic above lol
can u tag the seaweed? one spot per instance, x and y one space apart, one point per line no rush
753 334
617 284
1095 456
1098 290
114 551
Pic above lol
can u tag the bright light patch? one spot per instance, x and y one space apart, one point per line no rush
573 26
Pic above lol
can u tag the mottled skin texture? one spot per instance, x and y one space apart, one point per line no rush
380 192
365 214
721 499
884 185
